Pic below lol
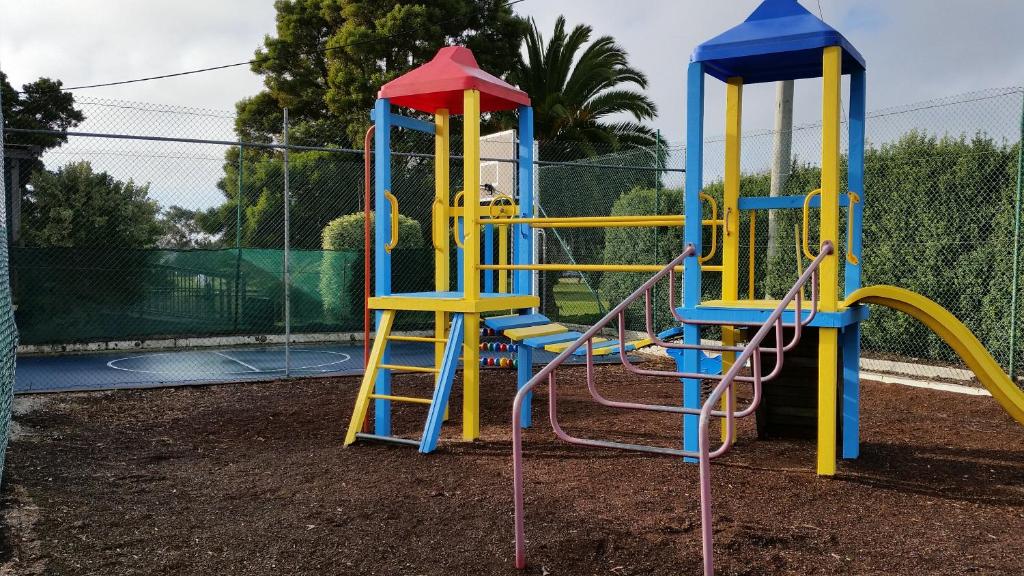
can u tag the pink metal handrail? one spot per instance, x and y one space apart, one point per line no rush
750 353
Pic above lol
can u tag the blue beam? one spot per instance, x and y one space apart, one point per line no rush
784 202
693 230
382 260
399 121
522 236
858 109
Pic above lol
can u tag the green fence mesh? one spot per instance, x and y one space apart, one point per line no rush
8 331
940 196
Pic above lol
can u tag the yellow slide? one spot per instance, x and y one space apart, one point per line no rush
954 333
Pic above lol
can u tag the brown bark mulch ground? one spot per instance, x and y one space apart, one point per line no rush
253 479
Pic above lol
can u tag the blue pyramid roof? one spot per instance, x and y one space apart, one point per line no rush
780 40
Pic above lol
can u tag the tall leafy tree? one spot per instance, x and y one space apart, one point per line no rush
329 58
577 87
77 207
40 105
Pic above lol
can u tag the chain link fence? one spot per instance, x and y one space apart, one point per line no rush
193 248
8 331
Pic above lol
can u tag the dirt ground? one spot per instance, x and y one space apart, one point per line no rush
253 479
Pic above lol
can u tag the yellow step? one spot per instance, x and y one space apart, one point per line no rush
404 368
607 348
410 399
563 345
535 331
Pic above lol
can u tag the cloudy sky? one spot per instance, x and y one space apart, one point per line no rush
916 49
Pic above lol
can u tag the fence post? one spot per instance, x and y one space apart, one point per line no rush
657 210
1014 279
238 234
287 270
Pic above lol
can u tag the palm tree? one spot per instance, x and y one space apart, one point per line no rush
576 87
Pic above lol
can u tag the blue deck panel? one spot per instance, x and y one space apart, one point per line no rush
452 295
502 323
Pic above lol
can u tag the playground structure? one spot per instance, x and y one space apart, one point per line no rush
780 40
493 235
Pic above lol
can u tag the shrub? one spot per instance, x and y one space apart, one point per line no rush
341 271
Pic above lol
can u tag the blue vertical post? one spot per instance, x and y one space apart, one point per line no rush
382 259
850 342
489 257
855 174
522 245
692 235
851 336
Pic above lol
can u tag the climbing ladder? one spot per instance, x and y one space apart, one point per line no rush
437 404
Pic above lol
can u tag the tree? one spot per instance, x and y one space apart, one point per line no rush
182 231
77 207
41 105
575 87
330 57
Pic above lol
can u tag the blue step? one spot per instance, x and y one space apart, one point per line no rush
542 341
502 323
671 333
609 347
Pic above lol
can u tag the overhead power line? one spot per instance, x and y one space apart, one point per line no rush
254 60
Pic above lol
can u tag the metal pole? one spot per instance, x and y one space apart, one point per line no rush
657 206
782 160
238 234
1014 279
287 271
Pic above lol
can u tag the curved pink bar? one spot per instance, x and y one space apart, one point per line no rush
724 388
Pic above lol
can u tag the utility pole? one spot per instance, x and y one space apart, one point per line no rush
782 160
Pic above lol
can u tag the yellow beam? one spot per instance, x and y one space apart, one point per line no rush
442 190
355 425
502 231
751 256
535 331
417 339
731 216
471 377
828 338
454 304
828 360
471 185
830 176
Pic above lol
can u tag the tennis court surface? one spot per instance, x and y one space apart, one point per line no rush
147 369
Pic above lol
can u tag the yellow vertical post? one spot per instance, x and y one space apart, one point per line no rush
502 232
439 228
828 338
730 203
471 263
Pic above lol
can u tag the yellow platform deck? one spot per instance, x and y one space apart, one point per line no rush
452 302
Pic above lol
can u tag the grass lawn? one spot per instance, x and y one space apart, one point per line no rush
576 303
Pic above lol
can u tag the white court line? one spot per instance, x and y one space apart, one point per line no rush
321 368
249 366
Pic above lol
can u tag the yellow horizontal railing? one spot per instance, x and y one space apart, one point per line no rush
588 267
598 221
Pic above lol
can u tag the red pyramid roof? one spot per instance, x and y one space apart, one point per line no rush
440 83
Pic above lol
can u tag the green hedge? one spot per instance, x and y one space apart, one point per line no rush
938 220
341 272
